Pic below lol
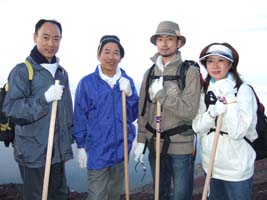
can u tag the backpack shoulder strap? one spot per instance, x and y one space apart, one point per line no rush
30 73
6 87
260 105
180 77
181 73
30 69
148 81
256 96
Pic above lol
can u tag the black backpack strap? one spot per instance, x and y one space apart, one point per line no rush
261 107
166 135
180 77
148 81
170 132
181 73
213 130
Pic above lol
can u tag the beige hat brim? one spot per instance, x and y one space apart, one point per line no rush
153 39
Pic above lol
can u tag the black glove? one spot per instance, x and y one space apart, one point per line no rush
210 99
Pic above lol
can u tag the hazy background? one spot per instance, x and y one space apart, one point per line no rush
242 23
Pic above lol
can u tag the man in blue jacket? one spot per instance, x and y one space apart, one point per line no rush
98 123
29 104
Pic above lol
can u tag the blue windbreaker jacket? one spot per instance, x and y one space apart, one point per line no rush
98 120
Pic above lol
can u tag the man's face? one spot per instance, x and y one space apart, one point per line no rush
47 40
167 45
109 58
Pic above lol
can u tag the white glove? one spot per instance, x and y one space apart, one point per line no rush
82 158
125 86
156 86
139 151
54 93
226 90
217 109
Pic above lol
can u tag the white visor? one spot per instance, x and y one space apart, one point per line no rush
219 50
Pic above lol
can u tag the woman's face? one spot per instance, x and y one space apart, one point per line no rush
218 67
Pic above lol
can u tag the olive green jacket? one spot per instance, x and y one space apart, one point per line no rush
177 107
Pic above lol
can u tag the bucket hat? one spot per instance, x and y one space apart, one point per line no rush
110 38
168 28
224 50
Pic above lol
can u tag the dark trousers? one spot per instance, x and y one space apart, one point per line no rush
33 182
230 190
176 170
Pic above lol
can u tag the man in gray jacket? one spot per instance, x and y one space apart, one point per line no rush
29 104
178 109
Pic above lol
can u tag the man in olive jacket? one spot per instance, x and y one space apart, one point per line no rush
178 109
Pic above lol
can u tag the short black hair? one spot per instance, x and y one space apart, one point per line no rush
40 23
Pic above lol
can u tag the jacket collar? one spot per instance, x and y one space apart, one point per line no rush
39 58
177 59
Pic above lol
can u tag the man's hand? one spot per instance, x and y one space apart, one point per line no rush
125 86
156 86
82 158
54 93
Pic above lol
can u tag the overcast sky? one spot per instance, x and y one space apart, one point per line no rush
242 23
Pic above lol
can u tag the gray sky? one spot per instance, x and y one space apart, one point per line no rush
242 23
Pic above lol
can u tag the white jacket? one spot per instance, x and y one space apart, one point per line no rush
234 160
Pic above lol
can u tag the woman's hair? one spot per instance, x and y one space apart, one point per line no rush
232 70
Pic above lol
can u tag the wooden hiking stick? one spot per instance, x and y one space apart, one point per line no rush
157 170
212 157
125 142
49 148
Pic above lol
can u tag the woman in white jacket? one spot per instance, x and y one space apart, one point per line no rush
225 93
